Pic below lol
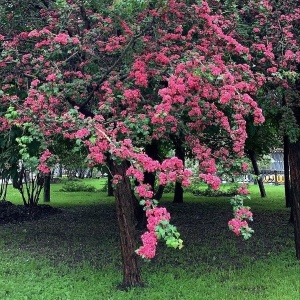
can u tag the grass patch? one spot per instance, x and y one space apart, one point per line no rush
75 254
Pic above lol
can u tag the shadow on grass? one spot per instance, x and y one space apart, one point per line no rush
89 234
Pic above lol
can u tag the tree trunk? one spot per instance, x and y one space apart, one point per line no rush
159 192
178 193
110 189
287 186
60 171
294 161
180 153
260 182
125 217
3 189
47 187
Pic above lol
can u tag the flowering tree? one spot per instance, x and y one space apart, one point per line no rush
115 86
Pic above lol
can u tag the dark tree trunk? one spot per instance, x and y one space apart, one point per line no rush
60 171
294 161
178 193
110 189
159 192
125 217
47 182
260 182
287 186
180 153
152 151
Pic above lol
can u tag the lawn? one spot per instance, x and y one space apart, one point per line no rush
75 254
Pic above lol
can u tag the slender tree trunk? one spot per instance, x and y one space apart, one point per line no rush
260 182
294 160
180 153
159 192
60 171
178 193
3 189
110 189
47 187
125 217
287 187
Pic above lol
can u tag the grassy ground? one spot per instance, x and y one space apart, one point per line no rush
75 254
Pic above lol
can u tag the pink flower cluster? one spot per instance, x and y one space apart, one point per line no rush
62 38
244 213
212 180
82 133
243 190
43 162
148 250
172 169
116 179
154 216
239 224
236 225
144 191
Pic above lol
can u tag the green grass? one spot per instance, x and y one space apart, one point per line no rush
75 254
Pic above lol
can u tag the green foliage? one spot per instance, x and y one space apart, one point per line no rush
74 186
199 189
129 7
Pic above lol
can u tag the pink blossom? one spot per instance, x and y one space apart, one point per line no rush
243 190
244 213
117 179
244 167
144 191
51 77
82 133
34 33
43 168
62 38
35 82
75 40
148 249
272 70
236 224
212 180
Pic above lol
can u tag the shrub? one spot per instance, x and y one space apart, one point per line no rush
225 190
74 186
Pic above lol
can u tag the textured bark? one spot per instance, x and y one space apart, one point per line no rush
125 217
294 160
260 182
